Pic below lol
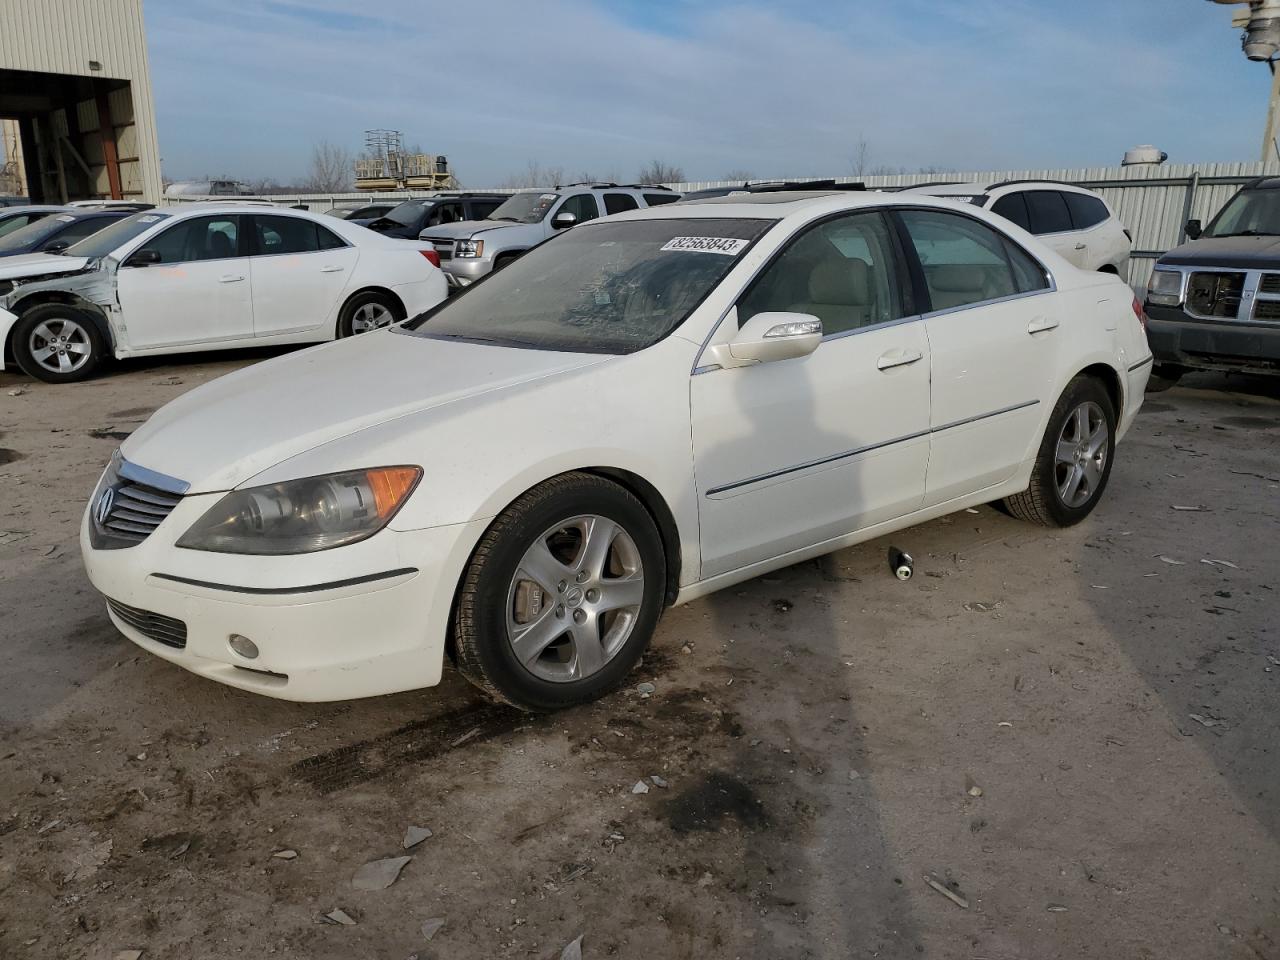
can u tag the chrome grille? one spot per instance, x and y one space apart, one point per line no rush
442 247
154 626
1266 310
1215 295
1270 283
130 502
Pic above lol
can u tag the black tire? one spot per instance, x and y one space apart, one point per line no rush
1163 376
504 260
73 323
484 653
351 310
1043 501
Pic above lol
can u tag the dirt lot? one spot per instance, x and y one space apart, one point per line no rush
1075 733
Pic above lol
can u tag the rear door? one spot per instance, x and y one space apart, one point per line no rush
992 329
199 292
300 270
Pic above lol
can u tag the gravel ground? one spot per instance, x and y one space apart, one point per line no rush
1047 744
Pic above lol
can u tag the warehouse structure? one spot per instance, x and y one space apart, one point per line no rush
74 78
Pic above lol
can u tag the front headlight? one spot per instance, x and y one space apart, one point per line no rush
303 516
1165 287
469 248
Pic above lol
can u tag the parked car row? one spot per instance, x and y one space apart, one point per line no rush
643 409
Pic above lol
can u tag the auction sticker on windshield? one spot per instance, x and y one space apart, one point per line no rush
728 246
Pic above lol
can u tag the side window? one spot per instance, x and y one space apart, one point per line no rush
445 213
1086 211
482 208
618 202
1027 273
964 261
1014 209
14 223
843 271
200 238
658 199
328 239
581 205
279 235
1048 212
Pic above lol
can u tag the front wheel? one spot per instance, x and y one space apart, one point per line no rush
561 596
367 311
58 343
1074 461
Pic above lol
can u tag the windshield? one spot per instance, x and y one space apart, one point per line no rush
599 288
33 234
1250 213
103 242
528 207
407 213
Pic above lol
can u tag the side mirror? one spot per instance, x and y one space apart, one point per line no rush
563 220
143 258
56 246
772 336
1194 230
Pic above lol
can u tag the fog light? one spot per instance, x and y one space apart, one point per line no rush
244 646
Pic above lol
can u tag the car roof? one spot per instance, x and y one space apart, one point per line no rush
774 206
35 208
946 189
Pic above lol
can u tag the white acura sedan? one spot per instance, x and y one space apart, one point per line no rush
638 412
206 277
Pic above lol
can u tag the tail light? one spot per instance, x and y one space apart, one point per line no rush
1140 314
432 257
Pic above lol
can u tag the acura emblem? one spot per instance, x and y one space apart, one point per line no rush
105 502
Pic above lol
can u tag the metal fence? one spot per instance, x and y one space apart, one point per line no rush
1153 202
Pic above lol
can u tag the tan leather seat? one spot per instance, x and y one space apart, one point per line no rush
954 285
839 294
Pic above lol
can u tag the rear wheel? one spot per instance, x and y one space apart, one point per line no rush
58 343
561 596
367 311
1074 461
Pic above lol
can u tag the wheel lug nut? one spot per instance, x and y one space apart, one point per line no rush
582 577
561 585
560 612
579 616
593 596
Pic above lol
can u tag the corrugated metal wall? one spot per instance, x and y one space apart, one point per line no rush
1152 201
63 36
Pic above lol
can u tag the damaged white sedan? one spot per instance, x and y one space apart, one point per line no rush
206 277
642 410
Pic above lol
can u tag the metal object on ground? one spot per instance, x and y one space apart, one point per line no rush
901 564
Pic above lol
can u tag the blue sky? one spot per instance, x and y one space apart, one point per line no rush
783 88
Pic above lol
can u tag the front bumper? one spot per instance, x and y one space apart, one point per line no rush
464 271
1185 341
355 621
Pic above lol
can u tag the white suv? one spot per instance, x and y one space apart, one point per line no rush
1075 223
474 248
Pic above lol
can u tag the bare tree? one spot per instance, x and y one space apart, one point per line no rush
331 170
659 171
535 175
861 155
743 175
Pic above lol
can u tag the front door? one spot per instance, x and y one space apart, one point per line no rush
198 292
797 452
994 347
300 269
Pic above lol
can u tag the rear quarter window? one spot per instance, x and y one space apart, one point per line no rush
1086 211
658 199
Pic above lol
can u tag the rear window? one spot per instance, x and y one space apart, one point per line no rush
619 203
1086 211
1014 209
658 199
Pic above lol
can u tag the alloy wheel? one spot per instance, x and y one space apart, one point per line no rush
575 598
60 345
1082 450
371 316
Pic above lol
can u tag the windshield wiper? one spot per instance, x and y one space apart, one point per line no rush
512 219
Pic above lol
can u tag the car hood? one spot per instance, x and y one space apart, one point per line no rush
472 228
1245 253
221 434
39 264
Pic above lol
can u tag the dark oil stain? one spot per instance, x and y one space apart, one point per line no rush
716 798
8 456
1250 423
110 434
413 743
132 412
1154 406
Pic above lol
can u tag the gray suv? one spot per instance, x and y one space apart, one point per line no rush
475 248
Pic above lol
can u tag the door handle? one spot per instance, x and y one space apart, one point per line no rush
230 278
1041 324
898 358
1081 246
331 269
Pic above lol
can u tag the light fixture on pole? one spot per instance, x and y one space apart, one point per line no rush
1261 42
